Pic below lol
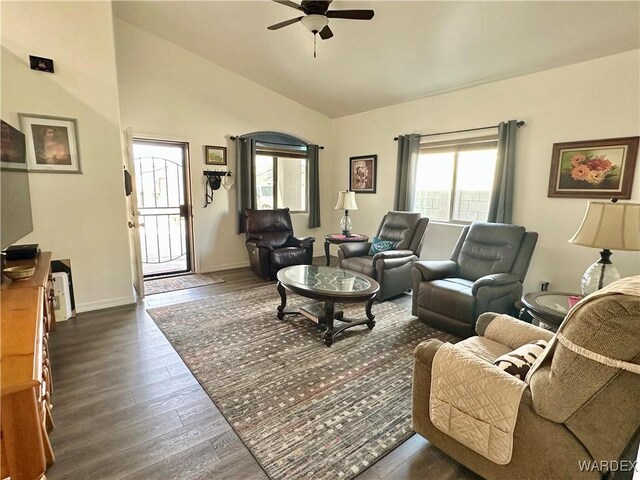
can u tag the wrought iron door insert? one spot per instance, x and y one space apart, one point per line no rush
163 207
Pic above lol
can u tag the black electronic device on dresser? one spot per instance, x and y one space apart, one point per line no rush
22 252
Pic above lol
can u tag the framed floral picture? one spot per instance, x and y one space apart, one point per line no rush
52 143
362 174
594 168
215 155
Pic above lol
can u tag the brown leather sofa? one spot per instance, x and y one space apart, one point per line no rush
574 408
485 274
271 244
392 268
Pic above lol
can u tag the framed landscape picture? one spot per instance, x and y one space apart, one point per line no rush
594 168
215 155
52 143
362 174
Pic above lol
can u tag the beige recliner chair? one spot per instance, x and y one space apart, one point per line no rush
580 401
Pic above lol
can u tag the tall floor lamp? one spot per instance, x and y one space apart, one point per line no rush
610 226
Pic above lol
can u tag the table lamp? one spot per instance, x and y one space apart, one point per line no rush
346 202
610 226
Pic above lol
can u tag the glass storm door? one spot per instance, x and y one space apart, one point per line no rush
164 207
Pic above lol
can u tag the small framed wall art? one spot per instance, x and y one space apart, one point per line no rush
362 174
215 155
52 143
593 168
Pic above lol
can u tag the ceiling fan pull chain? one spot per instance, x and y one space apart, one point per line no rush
315 36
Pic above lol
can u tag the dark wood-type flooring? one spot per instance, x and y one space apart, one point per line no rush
126 406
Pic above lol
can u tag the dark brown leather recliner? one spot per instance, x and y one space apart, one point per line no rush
485 274
392 268
271 244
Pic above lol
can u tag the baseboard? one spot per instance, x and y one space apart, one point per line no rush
231 266
112 302
224 266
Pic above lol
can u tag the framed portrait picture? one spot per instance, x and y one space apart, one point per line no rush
593 168
52 143
362 174
215 155
12 148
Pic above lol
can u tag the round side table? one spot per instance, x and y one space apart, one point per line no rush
338 238
549 308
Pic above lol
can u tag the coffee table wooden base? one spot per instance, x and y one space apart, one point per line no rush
330 314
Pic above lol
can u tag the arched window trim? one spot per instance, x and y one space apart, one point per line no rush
245 155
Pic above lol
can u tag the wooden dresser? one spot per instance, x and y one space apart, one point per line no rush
26 381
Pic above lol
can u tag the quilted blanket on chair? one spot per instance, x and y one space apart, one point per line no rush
474 402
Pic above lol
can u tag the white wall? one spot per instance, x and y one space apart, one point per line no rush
169 92
80 217
591 100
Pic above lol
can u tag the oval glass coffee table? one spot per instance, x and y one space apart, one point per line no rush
329 286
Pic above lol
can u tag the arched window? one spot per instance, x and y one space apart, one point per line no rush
277 170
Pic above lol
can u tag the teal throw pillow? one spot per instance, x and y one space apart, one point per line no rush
378 245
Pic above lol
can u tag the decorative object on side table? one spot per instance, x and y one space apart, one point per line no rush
338 238
610 226
362 174
346 202
52 143
215 155
593 169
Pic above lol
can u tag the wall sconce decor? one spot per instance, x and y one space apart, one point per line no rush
214 182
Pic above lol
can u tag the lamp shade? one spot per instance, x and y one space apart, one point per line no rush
614 226
346 201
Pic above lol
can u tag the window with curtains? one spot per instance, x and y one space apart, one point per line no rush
454 179
281 178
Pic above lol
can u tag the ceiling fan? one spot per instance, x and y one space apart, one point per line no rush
316 17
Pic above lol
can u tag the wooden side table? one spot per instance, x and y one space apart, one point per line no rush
338 238
549 308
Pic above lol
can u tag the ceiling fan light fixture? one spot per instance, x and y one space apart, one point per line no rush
315 23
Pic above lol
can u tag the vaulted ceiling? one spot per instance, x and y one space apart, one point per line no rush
407 51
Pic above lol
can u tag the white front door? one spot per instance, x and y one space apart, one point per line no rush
133 215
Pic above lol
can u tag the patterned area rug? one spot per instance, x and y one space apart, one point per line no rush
170 284
303 409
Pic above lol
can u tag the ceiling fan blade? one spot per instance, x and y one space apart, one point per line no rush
351 14
284 24
326 33
288 4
